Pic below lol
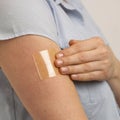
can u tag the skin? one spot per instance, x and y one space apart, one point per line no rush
52 98
90 60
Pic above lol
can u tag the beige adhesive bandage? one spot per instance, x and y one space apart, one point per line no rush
44 62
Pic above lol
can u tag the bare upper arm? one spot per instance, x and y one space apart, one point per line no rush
48 98
21 49
17 63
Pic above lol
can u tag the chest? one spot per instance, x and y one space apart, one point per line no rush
72 22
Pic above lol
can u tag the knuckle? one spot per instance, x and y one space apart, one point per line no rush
77 46
66 52
105 74
68 60
104 52
104 66
65 60
82 58
106 63
92 76
104 48
70 69
99 40
87 67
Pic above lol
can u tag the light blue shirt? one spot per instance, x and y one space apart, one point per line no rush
59 21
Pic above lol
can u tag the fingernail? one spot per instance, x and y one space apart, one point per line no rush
59 62
74 76
59 55
64 70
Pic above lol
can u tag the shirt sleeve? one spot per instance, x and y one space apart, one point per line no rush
22 17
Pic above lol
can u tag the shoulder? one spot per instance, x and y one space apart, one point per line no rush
20 7
21 16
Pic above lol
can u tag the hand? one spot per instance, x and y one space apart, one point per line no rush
87 60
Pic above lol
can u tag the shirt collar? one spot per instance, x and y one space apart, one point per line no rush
68 4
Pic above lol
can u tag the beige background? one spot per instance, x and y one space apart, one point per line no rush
106 14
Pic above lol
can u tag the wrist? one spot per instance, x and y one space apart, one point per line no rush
114 81
116 75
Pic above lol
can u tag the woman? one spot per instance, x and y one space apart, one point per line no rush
43 25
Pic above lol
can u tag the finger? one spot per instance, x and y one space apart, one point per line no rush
83 57
73 42
85 45
91 76
82 68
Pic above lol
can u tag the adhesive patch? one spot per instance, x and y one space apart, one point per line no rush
44 62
